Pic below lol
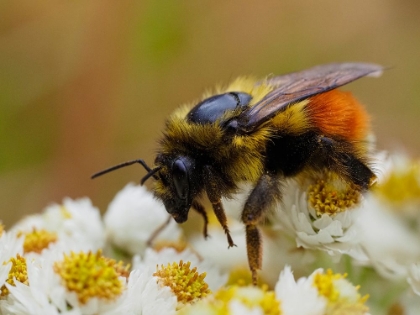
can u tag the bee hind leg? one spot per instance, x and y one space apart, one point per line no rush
343 159
262 198
357 172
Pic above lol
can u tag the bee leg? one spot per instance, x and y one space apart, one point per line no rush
215 199
200 209
254 250
221 217
343 160
262 198
156 232
357 171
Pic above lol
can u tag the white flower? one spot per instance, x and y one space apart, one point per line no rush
4 272
83 223
93 283
75 283
215 248
133 216
214 278
298 297
77 223
43 295
249 300
408 302
334 233
389 232
399 187
21 301
145 296
235 300
28 223
235 205
10 246
237 307
320 293
342 296
387 241
414 277
278 249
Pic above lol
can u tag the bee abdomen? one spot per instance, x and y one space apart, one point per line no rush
338 114
288 154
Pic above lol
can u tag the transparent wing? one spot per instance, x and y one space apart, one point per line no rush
294 87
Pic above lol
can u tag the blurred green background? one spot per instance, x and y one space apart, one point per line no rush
88 84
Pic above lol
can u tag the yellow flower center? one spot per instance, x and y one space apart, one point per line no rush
240 277
342 296
343 308
402 185
18 272
324 282
251 297
1 229
65 213
91 275
37 240
332 195
187 284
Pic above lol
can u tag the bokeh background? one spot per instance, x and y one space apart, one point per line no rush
88 84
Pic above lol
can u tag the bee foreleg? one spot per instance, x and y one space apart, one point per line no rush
221 217
215 198
200 209
262 198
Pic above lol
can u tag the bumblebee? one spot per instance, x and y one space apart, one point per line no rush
261 132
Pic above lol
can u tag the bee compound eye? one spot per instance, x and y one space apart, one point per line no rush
180 178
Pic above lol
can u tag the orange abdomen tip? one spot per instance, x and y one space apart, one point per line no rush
338 113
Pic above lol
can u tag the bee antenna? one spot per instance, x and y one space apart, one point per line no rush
115 167
151 173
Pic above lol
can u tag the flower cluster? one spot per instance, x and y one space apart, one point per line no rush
343 248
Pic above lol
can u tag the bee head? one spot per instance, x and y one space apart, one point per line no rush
177 182
174 185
